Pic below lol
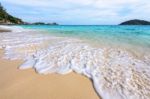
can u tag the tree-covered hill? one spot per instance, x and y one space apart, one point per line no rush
6 18
135 22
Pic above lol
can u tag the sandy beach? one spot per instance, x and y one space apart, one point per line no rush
41 67
4 31
27 84
74 49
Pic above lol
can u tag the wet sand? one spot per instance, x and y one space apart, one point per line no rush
27 84
4 30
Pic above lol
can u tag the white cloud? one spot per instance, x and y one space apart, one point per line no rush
95 11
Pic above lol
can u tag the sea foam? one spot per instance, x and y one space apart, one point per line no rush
115 72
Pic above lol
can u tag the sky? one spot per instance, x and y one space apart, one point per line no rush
79 12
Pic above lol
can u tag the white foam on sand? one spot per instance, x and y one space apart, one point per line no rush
12 28
116 73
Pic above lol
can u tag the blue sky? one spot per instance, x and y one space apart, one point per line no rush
83 12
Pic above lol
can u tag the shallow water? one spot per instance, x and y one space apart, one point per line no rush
115 71
129 37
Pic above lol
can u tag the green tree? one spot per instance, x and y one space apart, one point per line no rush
5 17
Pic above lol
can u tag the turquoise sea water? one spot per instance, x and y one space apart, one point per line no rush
101 53
120 36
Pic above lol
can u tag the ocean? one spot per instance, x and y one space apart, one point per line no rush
133 38
115 58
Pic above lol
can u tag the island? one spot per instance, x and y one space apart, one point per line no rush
135 22
42 23
7 19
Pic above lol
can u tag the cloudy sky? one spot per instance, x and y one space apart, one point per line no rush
96 12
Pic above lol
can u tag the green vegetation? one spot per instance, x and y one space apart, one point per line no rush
135 22
6 18
42 23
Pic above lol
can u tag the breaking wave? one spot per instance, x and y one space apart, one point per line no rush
115 72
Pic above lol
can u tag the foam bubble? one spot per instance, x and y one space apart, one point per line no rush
115 72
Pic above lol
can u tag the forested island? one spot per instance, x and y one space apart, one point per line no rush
7 19
135 22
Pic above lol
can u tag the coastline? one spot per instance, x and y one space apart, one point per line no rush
114 72
27 84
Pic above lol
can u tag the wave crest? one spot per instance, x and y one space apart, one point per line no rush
115 72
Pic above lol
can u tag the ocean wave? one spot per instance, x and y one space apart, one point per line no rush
115 72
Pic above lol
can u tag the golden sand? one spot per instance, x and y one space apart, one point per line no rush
27 84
